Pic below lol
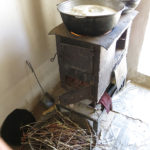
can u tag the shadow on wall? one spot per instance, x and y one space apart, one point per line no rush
24 35
35 27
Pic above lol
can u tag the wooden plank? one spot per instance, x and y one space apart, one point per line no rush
105 40
75 95
118 57
73 111
106 68
121 72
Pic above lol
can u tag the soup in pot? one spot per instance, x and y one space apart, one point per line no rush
91 10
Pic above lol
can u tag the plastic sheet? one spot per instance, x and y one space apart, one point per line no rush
133 101
125 127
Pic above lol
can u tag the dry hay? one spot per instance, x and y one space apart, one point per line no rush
59 133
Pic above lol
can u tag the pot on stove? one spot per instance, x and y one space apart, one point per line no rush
90 24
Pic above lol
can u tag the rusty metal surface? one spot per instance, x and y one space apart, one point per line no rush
96 69
77 58
88 63
103 40
79 61
74 60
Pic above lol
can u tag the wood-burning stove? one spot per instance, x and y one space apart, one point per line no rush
86 63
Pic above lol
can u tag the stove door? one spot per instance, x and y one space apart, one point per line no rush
76 58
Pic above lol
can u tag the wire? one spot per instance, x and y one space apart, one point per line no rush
31 68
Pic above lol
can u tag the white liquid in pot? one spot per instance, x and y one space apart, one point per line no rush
91 10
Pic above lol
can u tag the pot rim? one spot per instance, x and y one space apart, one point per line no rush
80 16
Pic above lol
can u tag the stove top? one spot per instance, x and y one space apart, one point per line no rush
105 40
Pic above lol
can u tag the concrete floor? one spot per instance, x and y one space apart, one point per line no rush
126 127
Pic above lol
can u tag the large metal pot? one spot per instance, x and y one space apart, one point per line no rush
130 5
90 25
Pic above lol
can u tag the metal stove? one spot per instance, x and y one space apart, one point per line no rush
87 63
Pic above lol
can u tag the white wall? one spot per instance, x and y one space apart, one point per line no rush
136 41
24 27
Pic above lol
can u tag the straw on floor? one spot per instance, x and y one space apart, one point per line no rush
59 132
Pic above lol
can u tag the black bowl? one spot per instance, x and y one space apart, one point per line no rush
90 25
